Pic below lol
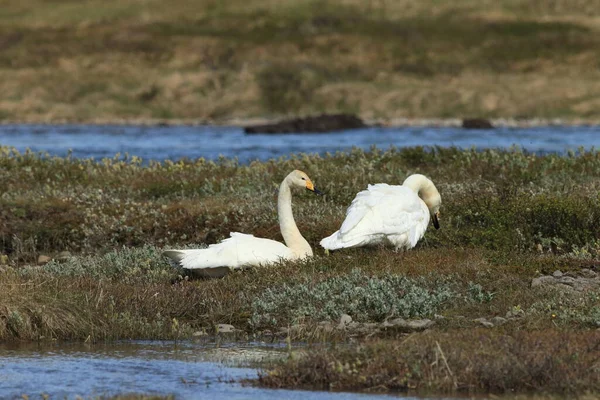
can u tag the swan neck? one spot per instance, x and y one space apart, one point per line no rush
418 184
289 230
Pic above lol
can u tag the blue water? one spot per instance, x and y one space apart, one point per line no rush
188 371
176 142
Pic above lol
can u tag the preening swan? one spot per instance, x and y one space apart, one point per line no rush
389 214
242 250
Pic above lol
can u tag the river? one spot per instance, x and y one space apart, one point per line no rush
180 141
186 370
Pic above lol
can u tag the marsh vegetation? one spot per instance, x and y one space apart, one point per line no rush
508 217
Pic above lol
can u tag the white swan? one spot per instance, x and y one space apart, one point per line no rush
242 250
391 215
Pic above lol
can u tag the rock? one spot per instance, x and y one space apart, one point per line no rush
3 259
586 273
515 313
497 321
585 280
199 334
225 328
63 256
43 260
345 320
484 322
357 328
319 123
567 280
542 281
477 123
408 326
354 326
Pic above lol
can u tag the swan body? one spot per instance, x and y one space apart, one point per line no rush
389 215
244 250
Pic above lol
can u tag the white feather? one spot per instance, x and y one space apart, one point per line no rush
243 250
238 250
385 214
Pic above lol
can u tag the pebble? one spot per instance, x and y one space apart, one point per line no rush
408 325
484 322
517 313
63 256
345 320
43 260
497 321
225 328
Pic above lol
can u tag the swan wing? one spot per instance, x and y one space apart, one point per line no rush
238 250
382 211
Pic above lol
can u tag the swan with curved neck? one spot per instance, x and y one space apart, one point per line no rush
242 250
390 215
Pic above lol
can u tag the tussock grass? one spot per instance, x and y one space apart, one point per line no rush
207 61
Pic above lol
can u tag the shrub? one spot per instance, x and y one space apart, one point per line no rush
363 297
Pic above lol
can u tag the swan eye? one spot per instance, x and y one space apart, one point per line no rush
303 178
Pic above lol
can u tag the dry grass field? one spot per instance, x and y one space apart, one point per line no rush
211 61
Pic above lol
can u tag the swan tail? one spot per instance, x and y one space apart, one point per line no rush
332 242
175 257
195 258
337 241
197 261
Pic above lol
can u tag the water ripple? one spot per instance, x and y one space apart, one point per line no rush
176 142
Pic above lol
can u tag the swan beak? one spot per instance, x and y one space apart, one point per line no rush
310 186
436 221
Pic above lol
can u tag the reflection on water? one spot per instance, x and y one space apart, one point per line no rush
187 370
176 142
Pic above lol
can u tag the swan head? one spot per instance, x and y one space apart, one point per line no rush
434 201
425 188
300 179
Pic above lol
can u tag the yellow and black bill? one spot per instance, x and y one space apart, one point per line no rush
310 186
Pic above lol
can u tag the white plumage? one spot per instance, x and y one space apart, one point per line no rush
240 249
391 215
243 250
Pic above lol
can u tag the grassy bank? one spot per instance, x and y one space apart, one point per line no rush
507 218
465 362
212 60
